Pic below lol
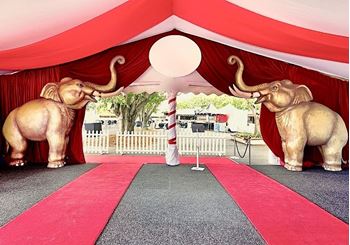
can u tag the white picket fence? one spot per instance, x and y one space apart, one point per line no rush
96 141
154 142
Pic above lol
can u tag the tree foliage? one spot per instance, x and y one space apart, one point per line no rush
203 101
128 107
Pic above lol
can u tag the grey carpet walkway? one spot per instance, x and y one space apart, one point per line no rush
173 205
21 188
329 190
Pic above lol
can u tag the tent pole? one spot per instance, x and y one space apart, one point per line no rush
172 154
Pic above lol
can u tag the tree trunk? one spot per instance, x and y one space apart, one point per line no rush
256 122
253 110
130 126
124 113
147 115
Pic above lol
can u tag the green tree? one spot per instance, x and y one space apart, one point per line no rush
203 101
154 100
130 106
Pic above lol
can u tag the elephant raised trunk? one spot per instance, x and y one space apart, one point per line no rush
239 78
110 86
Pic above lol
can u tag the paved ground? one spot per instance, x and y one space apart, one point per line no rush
22 187
177 206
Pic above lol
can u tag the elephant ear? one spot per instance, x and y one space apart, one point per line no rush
50 91
302 94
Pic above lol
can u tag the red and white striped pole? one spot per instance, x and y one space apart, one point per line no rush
172 154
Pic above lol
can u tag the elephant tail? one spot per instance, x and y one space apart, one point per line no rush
7 148
344 161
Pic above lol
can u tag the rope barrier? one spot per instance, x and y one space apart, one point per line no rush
245 150
236 149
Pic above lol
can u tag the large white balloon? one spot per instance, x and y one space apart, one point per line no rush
175 56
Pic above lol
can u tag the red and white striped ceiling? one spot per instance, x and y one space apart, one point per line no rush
313 34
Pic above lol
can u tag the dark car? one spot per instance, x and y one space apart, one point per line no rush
138 124
183 124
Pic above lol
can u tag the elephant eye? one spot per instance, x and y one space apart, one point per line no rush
80 85
274 88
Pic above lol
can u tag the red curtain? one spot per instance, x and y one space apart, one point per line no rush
19 88
214 68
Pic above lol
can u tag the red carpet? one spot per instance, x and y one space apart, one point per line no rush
76 213
280 215
127 159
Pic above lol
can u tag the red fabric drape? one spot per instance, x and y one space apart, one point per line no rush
107 30
19 88
136 16
214 68
246 26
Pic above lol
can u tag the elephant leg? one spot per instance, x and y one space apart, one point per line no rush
295 150
286 156
18 150
57 145
332 156
65 146
15 139
332 151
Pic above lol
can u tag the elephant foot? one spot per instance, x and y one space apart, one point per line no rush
17 163
293 168
333 168
56 164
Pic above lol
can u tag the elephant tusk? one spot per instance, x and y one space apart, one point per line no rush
90 98
256 94
236 94
106 95
241 94
261 99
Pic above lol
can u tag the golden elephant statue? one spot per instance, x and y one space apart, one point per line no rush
300 122
51 117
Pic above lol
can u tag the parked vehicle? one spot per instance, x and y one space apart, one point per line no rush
108 121
138 124
183 124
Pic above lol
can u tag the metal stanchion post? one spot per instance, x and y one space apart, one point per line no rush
234 148
249 142
198 146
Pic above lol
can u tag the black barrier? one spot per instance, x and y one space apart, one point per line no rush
198 127
93 126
